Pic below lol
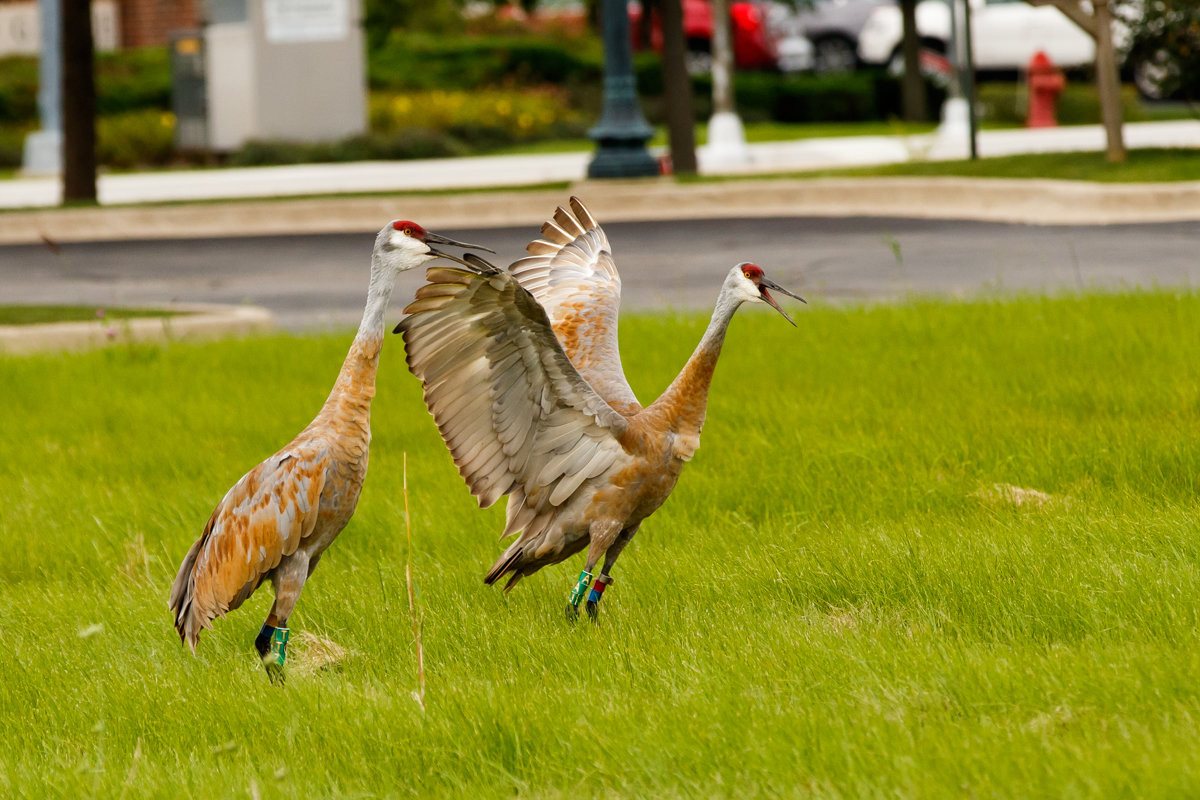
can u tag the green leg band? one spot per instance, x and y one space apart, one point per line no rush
581 586
277 649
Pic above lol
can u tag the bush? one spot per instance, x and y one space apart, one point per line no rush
135 138
12 146
409 62
487 117
763 96
129 80
133 80
1008 103
18 89
394 145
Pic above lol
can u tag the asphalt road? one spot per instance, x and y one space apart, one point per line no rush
320 281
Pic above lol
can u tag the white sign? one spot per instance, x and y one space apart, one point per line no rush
21 27
306 20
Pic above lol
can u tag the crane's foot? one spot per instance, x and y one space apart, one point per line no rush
594 596
272 648
576 595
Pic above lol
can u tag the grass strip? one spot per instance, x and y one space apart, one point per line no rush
34 315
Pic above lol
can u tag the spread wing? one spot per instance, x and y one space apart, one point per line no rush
260 520
516 414
572 275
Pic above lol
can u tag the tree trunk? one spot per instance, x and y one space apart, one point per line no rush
681 115
915 104
646 24
79 103
1108 82
1098 25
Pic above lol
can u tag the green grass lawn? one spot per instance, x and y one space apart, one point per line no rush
837 602
1147 165
32 315
755 132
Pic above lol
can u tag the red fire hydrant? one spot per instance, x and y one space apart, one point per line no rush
1046 82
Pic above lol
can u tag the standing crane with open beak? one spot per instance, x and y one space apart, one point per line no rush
276 521
522 374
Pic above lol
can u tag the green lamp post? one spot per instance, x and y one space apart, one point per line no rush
622 132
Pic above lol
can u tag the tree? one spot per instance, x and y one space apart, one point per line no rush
677 86
79 103
915 103
1096 19
1165 47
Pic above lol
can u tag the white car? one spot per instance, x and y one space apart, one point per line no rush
1006 34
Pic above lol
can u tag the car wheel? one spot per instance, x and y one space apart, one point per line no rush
834 54
1152 75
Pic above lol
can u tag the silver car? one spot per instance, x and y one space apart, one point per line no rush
833 27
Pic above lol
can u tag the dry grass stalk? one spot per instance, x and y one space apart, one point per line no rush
419 694
314 653
1007 494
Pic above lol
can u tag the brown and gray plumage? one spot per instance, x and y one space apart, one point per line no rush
276 521
522 374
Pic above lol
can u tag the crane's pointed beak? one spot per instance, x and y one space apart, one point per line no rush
437 239
766 283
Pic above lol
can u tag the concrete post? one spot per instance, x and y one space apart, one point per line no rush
43 148
726 136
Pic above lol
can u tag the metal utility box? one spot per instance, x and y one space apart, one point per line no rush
284 69
189 99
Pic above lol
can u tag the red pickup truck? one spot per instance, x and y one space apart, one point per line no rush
753 44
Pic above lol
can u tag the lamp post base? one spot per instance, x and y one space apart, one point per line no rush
726 146
622 159
43 153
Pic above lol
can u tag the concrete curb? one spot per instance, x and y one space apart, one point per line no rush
201 321
1037 202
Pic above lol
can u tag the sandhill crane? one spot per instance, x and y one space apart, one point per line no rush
523 377
281 516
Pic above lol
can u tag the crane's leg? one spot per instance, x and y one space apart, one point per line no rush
605 577
602 536
288 580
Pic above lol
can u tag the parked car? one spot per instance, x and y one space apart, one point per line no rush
1006 34
833 27
760 39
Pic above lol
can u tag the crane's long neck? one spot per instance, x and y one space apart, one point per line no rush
355 384
682 406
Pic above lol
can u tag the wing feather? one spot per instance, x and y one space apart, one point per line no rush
516 414
263 518
571 273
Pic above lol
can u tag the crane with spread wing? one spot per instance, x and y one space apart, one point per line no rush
522 374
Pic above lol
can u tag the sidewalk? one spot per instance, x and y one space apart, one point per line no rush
530 170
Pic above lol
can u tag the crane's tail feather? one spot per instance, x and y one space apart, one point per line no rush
182 596
193 614
507 563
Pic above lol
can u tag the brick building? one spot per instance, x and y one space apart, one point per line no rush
147 22
116 23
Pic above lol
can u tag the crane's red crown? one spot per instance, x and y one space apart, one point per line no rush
411 228
752 271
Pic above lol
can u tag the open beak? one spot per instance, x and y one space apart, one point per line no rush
765 283
434 238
